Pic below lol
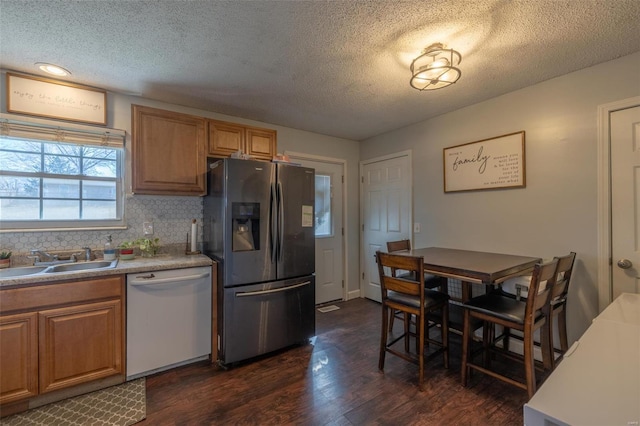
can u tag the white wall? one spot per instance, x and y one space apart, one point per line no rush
557 211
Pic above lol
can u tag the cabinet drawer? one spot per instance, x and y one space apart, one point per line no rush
53 294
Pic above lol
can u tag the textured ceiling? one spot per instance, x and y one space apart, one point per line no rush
339 68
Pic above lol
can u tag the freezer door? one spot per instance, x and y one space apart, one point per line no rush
263 318
296 198
248 214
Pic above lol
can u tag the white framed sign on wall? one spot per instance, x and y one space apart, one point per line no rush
56 99
492 163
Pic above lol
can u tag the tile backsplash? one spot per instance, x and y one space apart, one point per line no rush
171 217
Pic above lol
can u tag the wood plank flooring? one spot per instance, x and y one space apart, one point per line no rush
334 380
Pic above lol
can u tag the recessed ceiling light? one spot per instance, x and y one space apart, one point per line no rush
53 69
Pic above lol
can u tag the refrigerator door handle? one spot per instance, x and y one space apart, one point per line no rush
275 290
273 225
281 221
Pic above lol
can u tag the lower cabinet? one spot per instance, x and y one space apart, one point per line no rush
18 357
59 335
79 344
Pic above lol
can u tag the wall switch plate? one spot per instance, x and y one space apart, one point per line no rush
147 228
416 228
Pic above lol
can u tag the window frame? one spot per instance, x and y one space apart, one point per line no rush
45 132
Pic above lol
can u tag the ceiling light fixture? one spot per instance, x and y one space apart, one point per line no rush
435 68
53 69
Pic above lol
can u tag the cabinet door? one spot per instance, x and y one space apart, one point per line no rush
261 143
225 138
79 344
18 357
168 152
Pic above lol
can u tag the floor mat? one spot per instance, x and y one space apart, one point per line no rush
121 405
329 308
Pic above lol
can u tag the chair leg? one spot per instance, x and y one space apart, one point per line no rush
407 329
464 370
391 319
445 333
562 330
529 368
420 326
506 333
487 328
383 337
546 344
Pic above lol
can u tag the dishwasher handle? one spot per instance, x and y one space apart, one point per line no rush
275 290
150 280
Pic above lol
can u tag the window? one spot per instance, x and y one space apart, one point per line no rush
324 225
52 178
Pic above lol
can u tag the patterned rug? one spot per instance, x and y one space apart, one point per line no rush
124 404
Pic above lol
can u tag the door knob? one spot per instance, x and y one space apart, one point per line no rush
624 263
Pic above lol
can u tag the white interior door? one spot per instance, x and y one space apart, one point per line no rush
625 199
329 229
386 212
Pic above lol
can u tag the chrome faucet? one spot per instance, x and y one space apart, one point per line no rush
87 253
42 256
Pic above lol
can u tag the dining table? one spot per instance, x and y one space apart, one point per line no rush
472 267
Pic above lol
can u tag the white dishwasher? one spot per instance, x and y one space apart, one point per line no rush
168 319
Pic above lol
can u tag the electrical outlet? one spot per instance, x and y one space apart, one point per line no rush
416 228
147 228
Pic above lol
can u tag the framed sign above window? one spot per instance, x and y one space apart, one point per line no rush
56 99
486 164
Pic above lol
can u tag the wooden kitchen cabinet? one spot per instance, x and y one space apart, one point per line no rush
59 335
226 138
168 154
79 344
18 357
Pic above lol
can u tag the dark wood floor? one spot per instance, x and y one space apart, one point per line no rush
332 381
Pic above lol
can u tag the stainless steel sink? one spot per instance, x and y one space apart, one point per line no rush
82 266
19 272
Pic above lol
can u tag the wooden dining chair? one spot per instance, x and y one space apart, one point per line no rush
408 295
526 316
430 281
520 288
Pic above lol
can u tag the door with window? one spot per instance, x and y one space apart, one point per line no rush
386 212
328 229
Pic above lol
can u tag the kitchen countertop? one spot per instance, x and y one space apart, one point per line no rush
138 264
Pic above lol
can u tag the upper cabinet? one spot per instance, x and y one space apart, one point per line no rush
168 152
226 138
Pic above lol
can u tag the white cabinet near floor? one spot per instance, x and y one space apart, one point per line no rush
598 381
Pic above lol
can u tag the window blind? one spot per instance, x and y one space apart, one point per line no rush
112 138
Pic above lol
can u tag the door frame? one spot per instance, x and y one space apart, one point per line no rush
605 263
345 225
363 163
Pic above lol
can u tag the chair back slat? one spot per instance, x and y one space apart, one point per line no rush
398 245
401 285
563 275
539 299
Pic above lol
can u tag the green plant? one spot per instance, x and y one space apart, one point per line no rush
128 244
5 255
148 246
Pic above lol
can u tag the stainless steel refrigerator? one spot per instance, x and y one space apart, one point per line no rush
258 226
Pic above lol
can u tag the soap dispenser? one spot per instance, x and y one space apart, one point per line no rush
109 250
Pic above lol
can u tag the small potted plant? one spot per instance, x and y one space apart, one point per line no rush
5 259
126 250
148 246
